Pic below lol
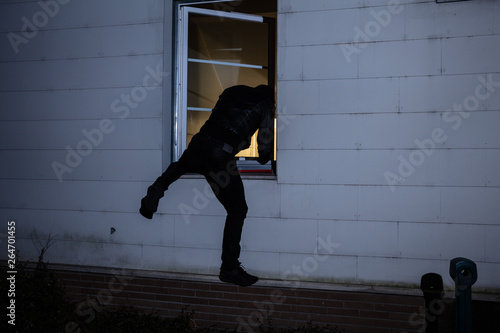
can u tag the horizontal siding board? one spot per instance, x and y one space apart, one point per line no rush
472 130
340 166
299 166
116 165
319 201
401 58
89 226
443 93
321 62
471 49
264 198
267 264
255 240
298 97
72 195
358 96
83 136
158 258
391 131
439 241
490 280
491 244
492 167
80 104
452 204
422 167
111 72
406 270
289 132
110 255
290 63
378 239
210 228
436 93
325 27
355 166
85 253
476 205
472 170
199 261
341 96
300 6
408 203
418 127
76 14
302 267
341 129
430 20
95 42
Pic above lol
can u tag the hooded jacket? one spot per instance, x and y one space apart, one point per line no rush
238 114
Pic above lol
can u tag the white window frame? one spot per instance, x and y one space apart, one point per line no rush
181 66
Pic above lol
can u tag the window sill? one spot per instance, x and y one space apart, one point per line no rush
249 169
244 175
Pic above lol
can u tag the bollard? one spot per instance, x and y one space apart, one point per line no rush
431 285
464 272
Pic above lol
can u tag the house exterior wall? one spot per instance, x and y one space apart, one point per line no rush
397 141
82 95
388 142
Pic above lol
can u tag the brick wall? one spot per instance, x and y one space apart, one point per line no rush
230 306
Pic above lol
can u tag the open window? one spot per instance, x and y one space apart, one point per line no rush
220 44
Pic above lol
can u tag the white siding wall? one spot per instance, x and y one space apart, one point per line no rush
351 111
61 81
344 122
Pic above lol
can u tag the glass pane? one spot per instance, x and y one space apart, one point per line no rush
207 81
195 119
218 39
252 151
225 39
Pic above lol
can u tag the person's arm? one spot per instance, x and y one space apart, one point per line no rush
265 137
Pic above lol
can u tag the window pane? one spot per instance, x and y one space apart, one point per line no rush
207 81
222 52
195 119
225 39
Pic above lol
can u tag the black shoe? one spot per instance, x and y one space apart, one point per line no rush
237 276
149 204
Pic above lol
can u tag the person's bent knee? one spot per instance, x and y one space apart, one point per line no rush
239 211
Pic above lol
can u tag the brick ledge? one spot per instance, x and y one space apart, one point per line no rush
480 295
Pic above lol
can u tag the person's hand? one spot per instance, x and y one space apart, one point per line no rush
263 159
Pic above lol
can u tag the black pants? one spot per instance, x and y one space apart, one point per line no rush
211 158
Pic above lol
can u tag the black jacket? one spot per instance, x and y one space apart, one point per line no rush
239 113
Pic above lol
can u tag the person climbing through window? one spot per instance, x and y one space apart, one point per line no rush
239 112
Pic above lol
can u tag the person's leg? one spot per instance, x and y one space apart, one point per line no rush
149 204
228 188
231 194
194 159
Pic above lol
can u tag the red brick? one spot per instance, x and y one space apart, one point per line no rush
225 305
359 305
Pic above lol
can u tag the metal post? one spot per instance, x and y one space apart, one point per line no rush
464 272
431 285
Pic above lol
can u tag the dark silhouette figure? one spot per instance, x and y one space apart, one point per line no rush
237 115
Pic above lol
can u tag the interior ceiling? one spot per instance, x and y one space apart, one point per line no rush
261 7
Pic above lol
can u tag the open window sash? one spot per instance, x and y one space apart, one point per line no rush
217 50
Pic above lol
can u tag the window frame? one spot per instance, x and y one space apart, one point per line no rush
182 10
